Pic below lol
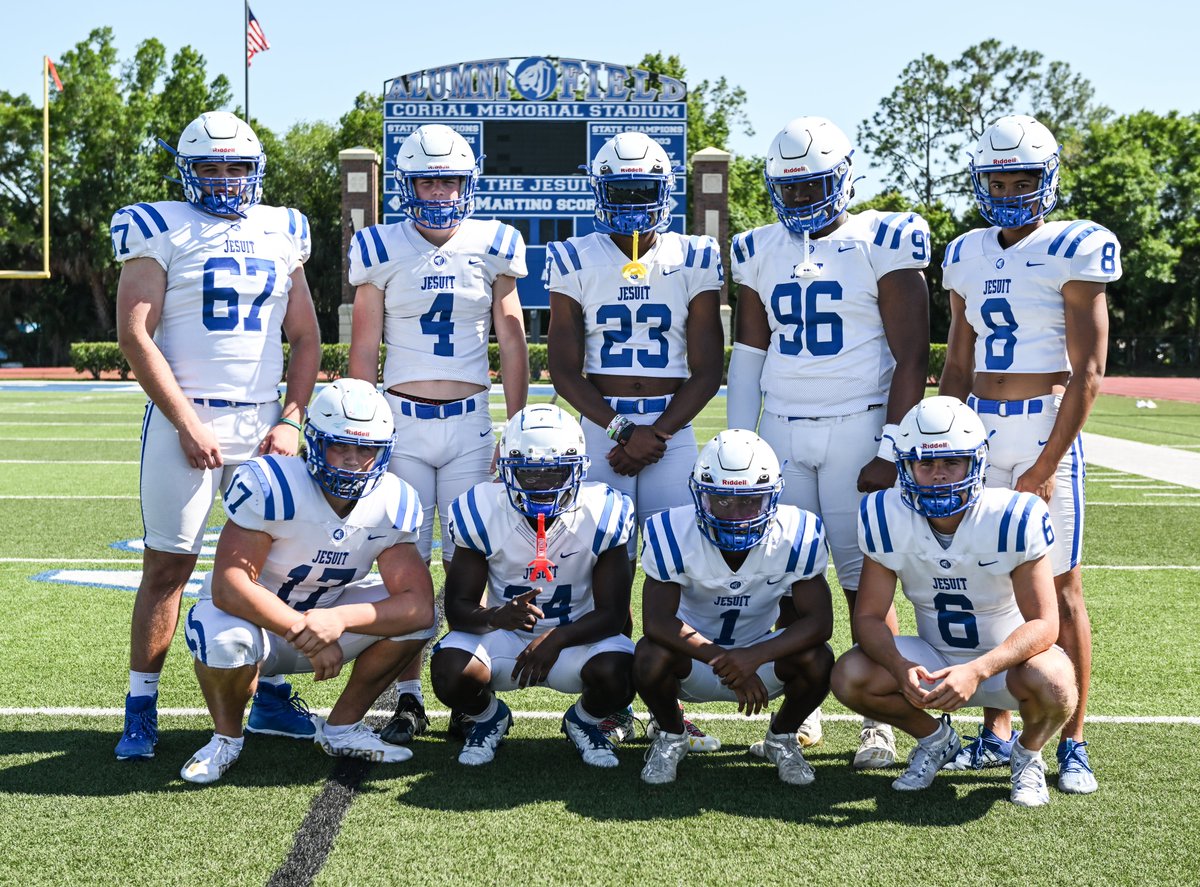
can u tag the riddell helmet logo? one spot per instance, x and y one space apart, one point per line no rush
223 150
438 166
1000 161
356 432
795 169
936 445
631 169
734 482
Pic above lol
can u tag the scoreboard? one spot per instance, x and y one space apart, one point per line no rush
536 120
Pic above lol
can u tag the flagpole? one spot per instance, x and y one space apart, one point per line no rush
246 40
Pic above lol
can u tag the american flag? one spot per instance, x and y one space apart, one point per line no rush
256 40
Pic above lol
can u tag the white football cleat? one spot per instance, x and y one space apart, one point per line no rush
783 750
210 763
663 757
1028 778
876 747
361 742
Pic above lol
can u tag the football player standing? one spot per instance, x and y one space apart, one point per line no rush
207 286
831 345
431 288
289 592
975 564
635 333
521 622
1027 347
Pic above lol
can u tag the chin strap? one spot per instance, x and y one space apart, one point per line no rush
634 271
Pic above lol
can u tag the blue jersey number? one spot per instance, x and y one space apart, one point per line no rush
229 297
230 505
657 319
999 346
436 322
818 331
333 577
558 607
957 625
728 620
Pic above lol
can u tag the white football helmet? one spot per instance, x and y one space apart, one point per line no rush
349 411
809 150
735 485
632 179
542 460
937 428
1012 143
219 137
436 151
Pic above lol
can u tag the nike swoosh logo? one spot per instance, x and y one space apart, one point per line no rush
987 563
568 554
474 261
672 271
371 538
1034 264
879 440
485 433
842 249
1042 443
776 582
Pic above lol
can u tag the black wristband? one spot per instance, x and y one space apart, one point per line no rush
625 433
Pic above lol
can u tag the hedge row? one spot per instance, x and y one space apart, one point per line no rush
98 357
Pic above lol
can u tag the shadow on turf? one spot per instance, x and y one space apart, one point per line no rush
532 771
81 763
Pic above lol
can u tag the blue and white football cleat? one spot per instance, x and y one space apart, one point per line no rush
1075 776
141 729
277 711
593 745
985 750
485 737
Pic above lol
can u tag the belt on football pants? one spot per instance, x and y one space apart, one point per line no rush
221 404
627 406
436 410
1004 408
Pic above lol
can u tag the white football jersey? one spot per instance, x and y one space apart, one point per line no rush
963 595
227 291
483 520
828 354
635 329
437 310
733 609
314 552
1014 296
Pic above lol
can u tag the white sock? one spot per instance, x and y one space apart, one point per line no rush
143 683
584 716
272 680
1020 751
413 687
488 713
235 741
333 731
941 734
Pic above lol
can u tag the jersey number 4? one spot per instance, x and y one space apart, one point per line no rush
222 304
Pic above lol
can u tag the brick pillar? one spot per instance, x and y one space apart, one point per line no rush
710 211
360 209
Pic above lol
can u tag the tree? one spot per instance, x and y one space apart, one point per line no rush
923 128
103 156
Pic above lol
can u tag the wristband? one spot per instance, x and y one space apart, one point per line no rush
617 427
887 442
293 423
624 434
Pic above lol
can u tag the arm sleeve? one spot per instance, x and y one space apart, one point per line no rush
743 399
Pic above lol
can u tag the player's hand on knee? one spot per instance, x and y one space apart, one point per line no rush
958 685
734 666
878 474
317 630
910 679
535 661
327 663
